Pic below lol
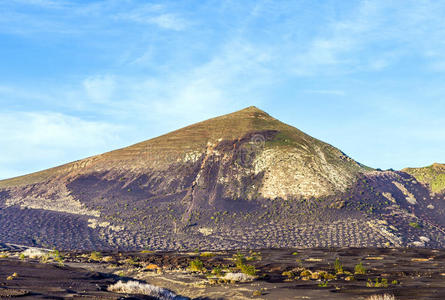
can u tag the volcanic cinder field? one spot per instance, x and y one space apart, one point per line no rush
320 273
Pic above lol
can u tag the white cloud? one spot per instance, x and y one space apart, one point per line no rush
373 36
100 88
168 21
154 14
46 139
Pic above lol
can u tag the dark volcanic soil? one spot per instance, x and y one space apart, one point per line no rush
407 273
45 281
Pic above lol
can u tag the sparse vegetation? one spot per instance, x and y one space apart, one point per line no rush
108 259
196 265
147 252
217 271
13 276
338 267
378 283
240 261
207 254
96 256
433 175
381 297
258 293
323 284
414 225
359 269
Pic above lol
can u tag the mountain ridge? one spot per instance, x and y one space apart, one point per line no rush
210 182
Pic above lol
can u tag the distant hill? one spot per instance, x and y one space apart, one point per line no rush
240 180
433 176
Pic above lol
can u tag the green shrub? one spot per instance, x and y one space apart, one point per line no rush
338 267
147 252
240 261
382 283
217 271
196 265
96 256
359 269
248 269
323 284
414 225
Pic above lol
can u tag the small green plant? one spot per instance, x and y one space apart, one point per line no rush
131 261
55 254
248 269
338 267
44 258
207 254
414 225
394 282
382 283
295 253
217 271
240 261
147 252
359 269
259 292
196 265
288 274
22 256
12 277
323 284
96 256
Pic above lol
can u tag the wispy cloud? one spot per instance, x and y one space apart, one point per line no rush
100 88
168 21
156 14
37 139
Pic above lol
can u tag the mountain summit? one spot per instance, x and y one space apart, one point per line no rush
243 179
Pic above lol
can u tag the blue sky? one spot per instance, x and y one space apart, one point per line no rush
79 78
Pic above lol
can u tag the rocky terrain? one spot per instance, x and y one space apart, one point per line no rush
243 180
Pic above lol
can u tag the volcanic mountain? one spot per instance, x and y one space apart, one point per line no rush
242 180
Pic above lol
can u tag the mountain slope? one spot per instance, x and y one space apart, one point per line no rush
433 176
240 180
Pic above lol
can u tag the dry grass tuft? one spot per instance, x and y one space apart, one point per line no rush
35 253
238 277
381 297
137 288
